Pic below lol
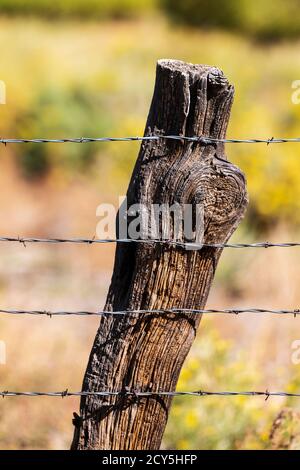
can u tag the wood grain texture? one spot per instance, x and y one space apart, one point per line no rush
146 352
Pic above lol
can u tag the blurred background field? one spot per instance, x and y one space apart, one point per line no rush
87 68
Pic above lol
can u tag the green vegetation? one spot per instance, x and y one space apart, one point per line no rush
223 423
57 112
66 80
285 434
94 9
270 19
214 364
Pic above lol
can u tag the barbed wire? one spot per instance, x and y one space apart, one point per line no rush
91 241
148 394
177 310
202 140
137 394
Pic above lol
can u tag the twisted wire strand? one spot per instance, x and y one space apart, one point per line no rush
136 394
91 241
198 139
178 311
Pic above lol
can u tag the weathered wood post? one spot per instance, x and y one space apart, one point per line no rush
145 352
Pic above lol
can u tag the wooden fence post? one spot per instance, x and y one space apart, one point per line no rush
145 352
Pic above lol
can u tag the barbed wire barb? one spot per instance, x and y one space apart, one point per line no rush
190 245
201 140
148 394
175 311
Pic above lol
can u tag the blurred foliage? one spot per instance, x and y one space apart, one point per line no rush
95 9
270 19
66 80
285 433
223 423
218 422
56 112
